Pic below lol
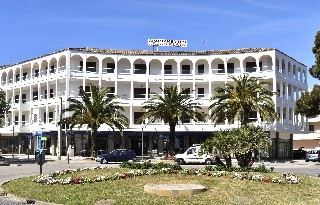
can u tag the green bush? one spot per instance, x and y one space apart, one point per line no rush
261 169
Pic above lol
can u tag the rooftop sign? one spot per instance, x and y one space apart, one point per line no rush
164 42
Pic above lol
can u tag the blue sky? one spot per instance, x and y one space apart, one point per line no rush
32 28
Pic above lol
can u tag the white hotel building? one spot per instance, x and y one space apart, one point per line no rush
36 86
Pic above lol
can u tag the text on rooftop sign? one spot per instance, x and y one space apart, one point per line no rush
164 42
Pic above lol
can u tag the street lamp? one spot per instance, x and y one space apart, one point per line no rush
143 125
13 123
60 131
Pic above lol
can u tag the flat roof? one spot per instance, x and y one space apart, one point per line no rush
164 53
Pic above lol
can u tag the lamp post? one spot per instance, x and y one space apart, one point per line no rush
12 138
60 132
142 143
142 126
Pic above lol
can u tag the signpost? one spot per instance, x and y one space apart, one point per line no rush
165 42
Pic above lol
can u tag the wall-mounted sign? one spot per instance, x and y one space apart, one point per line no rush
165 42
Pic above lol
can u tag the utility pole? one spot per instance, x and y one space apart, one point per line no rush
60 132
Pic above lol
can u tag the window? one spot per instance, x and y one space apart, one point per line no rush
44 117
17 77
110 67
201 69
111 92
136 116
260 65
230 67
52 69
200 92
23 119
251 67
311 128
185 119
16 99
252 116
139 92
35 95
140 69
51 93
25 76
24 98
188 90
36 73
186 69
90 66
45 94
16 120
220 68
167 69
50 116
86 89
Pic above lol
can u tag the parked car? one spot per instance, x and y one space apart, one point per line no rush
194 155
118 155
85 153
299 154
313 155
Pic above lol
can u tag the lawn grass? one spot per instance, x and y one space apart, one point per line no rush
221 190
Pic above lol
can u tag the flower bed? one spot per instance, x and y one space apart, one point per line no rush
50 179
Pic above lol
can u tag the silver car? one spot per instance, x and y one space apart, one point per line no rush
313 155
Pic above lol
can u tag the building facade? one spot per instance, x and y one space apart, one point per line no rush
310 140
38 88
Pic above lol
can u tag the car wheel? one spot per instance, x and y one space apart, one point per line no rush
208 162
180 161
307 160
104 161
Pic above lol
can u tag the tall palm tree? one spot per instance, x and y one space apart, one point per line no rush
172 107
94 110
242 98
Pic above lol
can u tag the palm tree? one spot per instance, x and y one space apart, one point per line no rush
94 110
172 107
243 98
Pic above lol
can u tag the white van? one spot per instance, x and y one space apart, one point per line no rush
192 155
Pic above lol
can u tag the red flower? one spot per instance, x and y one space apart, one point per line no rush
267 180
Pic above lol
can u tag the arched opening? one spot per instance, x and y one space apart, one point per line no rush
217 66
250 64
75 63
170 67
186 67
202 67
139 66
108 65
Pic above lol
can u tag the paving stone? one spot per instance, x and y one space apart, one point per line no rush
173 190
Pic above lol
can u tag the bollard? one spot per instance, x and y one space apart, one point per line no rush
68 157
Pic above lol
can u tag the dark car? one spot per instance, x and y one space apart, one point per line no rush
118 155
313 155
299 154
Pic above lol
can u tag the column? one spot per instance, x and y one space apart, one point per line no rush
100 71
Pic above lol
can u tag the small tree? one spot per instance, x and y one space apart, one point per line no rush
4 106
245 142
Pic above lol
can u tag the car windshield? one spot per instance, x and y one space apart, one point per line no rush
312 152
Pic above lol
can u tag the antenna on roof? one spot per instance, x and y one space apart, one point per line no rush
204 42
10 59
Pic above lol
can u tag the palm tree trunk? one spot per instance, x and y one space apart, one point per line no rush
93 142
172 139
